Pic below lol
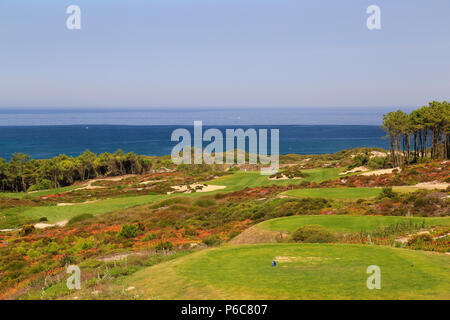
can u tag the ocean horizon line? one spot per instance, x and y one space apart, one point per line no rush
191 124
180 117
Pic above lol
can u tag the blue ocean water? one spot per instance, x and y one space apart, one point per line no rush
43 142
44 133
183 116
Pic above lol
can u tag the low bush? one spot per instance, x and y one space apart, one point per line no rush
387 193
313 234
214 240
204 203
189 232
129 231
27 229
419 238
172 201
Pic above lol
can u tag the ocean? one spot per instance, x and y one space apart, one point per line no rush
47 133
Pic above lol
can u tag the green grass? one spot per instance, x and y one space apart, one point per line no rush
254 179
335 193
344 223
16 216
314 271
13 217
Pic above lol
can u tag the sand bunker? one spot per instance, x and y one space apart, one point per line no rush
380 172
49 225
283 177
197 187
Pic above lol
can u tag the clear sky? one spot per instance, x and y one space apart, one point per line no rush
223 53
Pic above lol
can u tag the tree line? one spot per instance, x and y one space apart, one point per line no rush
23 173
423 133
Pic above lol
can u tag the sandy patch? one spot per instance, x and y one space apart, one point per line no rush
357 169
379 172
197 187
48 225
377 154
432 185
89 185
283 259
89 188
120 256
8 230
373 154
75 203
406 238
152 181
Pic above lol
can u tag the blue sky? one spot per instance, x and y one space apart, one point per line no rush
216 53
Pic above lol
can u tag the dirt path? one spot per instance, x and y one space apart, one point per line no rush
357 169
152 181
432 185
409 236
75 203
9 230
379 172
90 182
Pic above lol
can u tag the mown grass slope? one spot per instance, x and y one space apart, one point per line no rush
345 223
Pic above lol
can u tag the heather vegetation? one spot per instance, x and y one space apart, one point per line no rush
119 220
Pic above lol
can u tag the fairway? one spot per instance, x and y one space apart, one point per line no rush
335 193
254 179
307 271
344 223
14 216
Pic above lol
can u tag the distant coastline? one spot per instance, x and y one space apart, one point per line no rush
186 116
